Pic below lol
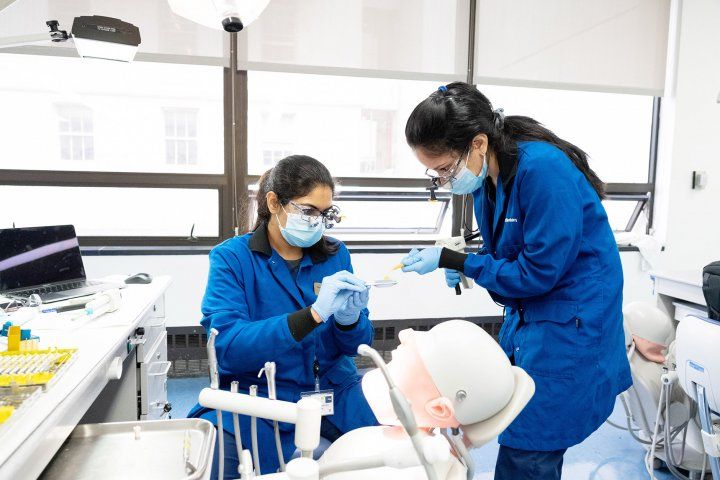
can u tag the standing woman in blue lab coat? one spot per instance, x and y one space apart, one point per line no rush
548 256
262 296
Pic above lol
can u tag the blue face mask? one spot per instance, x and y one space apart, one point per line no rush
300 233
466 182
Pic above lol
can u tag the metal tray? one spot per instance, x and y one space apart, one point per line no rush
138 450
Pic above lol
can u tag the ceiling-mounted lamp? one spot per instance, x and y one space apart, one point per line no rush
93 36
229 15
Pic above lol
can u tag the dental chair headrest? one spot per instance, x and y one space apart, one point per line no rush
482 432
711 289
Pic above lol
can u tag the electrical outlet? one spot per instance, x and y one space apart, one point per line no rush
699 180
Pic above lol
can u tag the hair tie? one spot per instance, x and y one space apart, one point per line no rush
442 88
499 114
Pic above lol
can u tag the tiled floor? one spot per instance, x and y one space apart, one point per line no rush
609 454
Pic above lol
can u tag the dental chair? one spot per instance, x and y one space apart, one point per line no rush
659 414
428 432
390 446
698 364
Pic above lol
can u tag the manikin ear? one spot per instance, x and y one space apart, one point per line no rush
440 409
272 202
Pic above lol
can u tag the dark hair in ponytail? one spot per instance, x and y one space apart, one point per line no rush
294 176
450 118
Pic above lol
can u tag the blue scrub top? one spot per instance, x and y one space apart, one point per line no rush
261 312
551 258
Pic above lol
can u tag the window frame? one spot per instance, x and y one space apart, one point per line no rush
233 185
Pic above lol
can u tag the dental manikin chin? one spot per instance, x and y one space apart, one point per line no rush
454 376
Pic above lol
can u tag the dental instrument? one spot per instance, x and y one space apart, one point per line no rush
234 386
215 385
269 370
384 283
253 435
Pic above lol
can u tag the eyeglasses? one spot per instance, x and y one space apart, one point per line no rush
445 174
313 216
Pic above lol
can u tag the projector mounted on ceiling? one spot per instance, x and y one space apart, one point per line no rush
94 37
105 37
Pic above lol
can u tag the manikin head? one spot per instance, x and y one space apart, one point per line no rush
649 328
455 374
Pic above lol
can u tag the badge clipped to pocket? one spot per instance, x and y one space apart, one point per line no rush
316 288
326 399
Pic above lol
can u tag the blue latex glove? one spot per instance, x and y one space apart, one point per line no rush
452 277
422 261
334 291
349 311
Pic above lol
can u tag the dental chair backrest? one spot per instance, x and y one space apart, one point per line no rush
647 330
698 356
482 432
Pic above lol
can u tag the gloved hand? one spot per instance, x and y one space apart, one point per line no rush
334 291
452 277
422 261
349 311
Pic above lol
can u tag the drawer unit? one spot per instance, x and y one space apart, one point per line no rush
152 381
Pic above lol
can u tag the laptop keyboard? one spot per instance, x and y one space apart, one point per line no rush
52 288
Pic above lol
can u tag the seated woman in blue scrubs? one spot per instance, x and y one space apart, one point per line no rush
286 293
549 256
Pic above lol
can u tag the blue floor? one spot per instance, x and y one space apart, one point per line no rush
609 454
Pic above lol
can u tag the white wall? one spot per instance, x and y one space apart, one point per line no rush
413 297
687 219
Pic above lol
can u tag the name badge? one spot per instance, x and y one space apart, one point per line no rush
326 398
316 288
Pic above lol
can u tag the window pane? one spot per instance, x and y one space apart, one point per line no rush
77 148
355 126
170 151
614 129
105 211
394 216
619 213
65 149
89 150
126 102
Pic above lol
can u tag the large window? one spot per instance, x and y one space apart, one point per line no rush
129 153
110 117
355 126
180 145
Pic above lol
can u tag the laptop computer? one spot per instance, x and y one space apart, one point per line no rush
45 261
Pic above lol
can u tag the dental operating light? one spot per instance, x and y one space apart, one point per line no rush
230 15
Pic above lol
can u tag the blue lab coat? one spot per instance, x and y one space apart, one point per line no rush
251 299
551 258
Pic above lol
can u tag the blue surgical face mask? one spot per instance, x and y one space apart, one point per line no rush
466 182
300 233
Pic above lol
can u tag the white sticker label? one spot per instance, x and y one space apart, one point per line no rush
326 399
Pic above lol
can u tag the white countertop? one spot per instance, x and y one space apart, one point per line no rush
684 285
31 437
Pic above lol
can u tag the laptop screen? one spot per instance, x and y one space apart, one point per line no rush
39 255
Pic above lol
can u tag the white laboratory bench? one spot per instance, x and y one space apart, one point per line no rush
32 436
679 293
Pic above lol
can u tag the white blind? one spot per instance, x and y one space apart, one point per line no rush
164 35
601 45
419 39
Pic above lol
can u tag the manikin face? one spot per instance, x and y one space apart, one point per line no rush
411 376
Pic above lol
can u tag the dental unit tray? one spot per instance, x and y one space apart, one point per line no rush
159 449
25 374
34 367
